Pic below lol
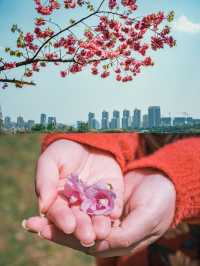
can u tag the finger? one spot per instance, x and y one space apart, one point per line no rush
52 233
61 215
138 225
108 171
118 189
84 229
132 250
47 178
102 226
34 224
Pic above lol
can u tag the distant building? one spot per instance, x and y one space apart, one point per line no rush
7 122
91 119
52 121
154 116
196 122
136 122
189 121
92 122
20 122
43 119
126 119
105 120
115 121
145 121
179 121
60 126
30 124
166 121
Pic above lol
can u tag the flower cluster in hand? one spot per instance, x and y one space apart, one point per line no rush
95 199
118 43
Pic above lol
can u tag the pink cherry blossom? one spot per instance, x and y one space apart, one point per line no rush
95 199
74 190
99 200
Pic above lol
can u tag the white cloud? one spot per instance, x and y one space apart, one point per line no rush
183 24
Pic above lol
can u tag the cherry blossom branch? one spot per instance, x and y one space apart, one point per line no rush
31 61
117 38
19 82
66 29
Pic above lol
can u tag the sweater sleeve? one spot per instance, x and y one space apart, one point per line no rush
123 146
180 161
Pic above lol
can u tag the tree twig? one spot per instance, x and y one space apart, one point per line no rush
15 81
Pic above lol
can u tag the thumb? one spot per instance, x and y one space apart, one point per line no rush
46 183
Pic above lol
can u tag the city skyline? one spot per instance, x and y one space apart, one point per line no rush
126 119
172 83
37 114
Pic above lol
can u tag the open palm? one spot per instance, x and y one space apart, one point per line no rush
58 161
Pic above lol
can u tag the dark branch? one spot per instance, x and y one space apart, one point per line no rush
15 81
63 30
31 61
100 5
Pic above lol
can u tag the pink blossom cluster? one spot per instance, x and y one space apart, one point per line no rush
131 4
28 73
43 34
67 43
39 21
9 65
29 42
46 10
96 199
117 44
112 4
73 3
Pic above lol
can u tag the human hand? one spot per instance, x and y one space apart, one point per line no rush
59 160
149 207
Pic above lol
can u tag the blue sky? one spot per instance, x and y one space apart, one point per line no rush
173 83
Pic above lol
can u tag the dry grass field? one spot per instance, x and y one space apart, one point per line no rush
18 155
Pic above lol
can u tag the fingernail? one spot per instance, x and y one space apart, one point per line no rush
87 245
42 215
24 224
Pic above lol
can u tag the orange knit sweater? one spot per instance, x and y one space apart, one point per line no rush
180 161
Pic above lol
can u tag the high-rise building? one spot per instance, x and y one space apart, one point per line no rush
154 116
145 121
7 122
115 121
20 122
1 119
30 124
91 120
166 121
52 121
43 119
105 120
126 119
136 122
